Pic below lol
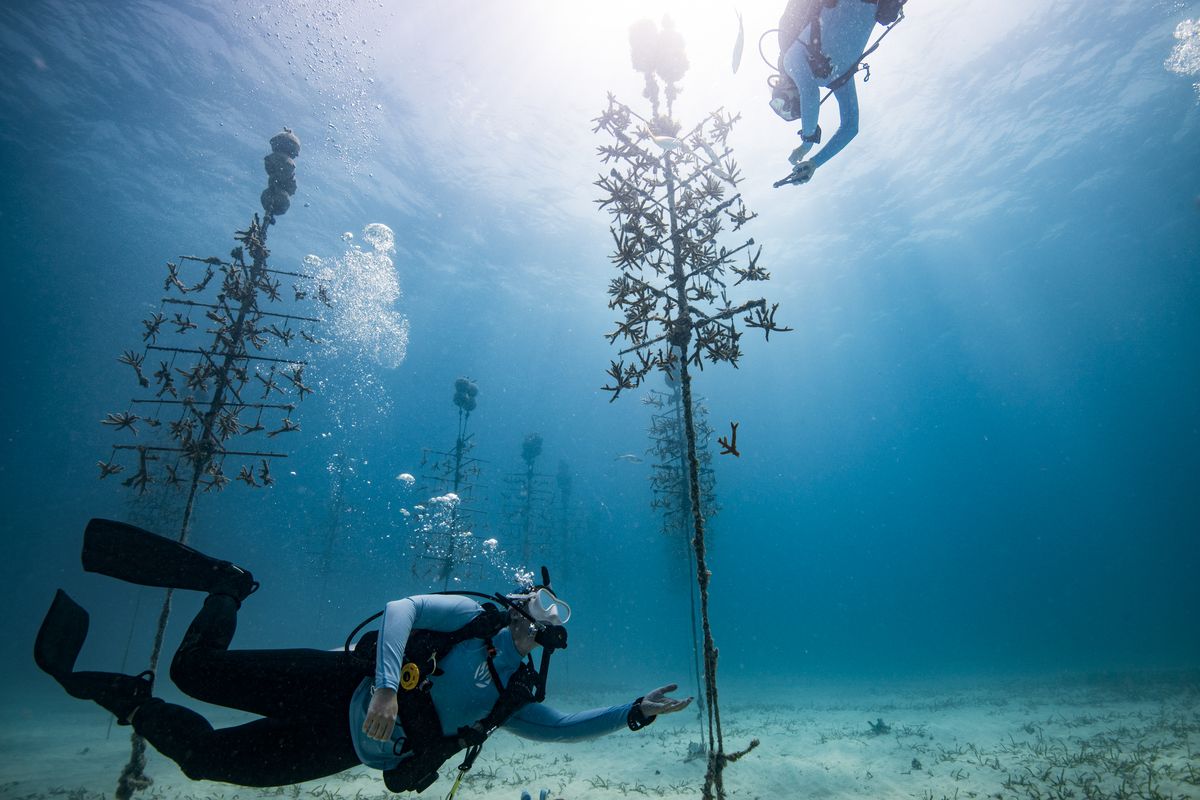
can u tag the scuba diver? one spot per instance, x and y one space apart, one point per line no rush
822 43
439 676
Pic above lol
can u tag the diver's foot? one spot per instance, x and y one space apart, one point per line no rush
121 695
232 581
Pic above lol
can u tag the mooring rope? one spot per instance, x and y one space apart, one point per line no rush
133 777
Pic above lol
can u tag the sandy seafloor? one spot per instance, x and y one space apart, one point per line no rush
1116 736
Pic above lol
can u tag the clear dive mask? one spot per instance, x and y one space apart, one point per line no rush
548 609
785 98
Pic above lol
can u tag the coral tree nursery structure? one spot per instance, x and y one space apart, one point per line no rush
671 487
527 508
671 196
447 530
219 394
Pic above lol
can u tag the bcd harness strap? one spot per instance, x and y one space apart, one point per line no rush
890 13
426 747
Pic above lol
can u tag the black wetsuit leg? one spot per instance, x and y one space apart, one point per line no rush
304 695
266 752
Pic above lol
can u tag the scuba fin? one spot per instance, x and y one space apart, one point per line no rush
131 554
61 636
59 640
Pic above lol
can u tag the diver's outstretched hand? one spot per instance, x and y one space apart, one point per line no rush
657 702
799 153
801 174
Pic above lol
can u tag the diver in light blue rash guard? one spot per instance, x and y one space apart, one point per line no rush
441 675
821 43
464 687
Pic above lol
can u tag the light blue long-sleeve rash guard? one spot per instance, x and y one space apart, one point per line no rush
464 694
845 30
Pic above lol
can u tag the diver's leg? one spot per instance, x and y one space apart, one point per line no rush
265 752
284 684
847 100
56 649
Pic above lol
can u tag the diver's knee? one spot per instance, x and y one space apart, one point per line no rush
187 669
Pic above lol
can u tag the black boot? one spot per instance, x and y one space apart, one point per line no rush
120 694
147 559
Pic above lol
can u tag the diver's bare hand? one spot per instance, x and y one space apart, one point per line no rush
657 702
799 153
381 714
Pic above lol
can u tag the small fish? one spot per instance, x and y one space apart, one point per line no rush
629 457
739 44
667 143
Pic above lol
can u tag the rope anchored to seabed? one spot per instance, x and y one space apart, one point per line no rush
242 283
717 757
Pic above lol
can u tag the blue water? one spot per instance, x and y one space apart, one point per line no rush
977 454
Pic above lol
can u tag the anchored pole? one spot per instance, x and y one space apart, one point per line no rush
242 282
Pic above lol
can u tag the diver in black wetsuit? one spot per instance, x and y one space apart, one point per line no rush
327 711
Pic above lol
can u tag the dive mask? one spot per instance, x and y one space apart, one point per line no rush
785 98
547 609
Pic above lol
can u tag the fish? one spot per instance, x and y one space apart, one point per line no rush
739 44
667 143
630 457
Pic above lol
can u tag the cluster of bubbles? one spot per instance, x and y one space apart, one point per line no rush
1185 57
330 49
362 288
465 392
439 533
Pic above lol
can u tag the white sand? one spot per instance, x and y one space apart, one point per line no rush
1132 738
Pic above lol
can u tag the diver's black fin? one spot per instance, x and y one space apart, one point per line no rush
61 636
131 554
